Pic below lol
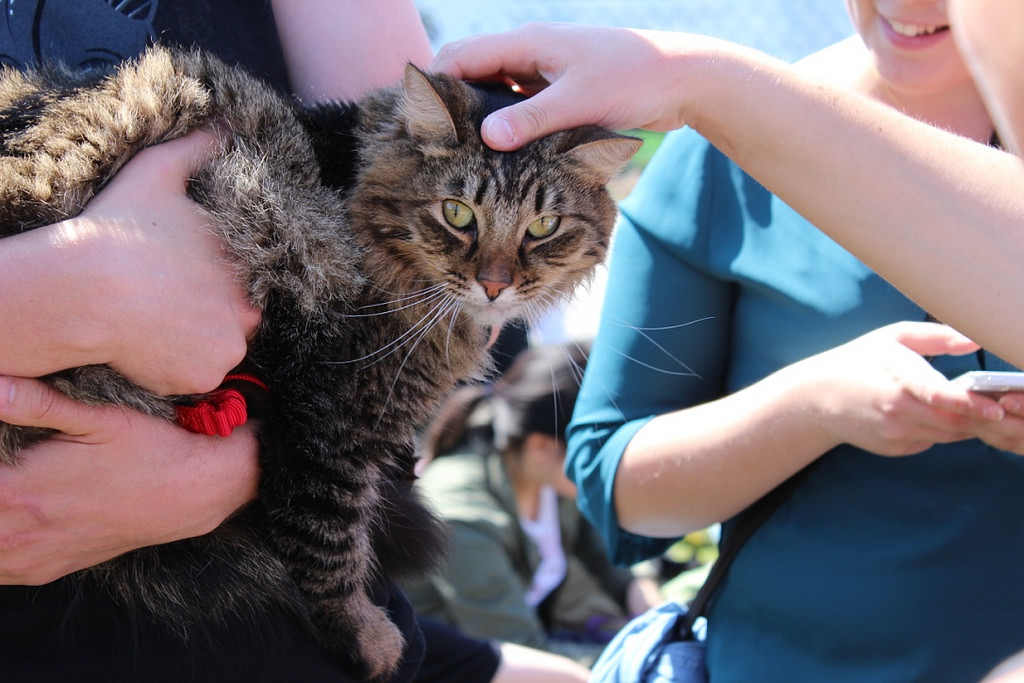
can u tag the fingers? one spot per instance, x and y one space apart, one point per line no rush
167 165
932 339
203 144
511 128
32 403
509 56
179 159
560 106
488 56
1013 403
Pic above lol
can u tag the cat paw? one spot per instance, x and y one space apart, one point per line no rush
366 628
380 645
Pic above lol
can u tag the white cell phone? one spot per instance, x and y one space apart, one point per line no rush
991 382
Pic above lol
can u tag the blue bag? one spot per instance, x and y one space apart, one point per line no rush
666 643
655 647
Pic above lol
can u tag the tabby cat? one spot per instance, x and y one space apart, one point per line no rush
384 244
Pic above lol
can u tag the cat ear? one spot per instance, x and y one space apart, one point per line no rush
601 159
425 112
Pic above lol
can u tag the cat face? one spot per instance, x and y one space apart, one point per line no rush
502 234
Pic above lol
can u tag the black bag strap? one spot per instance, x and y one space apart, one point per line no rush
747 524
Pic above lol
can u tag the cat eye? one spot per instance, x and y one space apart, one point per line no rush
543 226
457 214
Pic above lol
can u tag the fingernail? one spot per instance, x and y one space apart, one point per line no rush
499 131
6 392
994 413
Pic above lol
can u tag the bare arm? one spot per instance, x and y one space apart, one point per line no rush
520 664
339 49
137 282
936 214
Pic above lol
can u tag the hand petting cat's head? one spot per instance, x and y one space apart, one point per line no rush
500 234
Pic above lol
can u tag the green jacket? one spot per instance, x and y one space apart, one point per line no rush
481 586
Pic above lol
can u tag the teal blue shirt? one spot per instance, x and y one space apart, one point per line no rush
875 569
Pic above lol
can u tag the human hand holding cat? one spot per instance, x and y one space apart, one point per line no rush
113 480
135 281
178 315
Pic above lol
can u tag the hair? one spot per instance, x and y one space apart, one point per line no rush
535 395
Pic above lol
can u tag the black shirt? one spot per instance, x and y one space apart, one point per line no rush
97 33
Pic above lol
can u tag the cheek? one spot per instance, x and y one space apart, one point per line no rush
437 241
858 10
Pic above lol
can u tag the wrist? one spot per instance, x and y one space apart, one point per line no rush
49 293
225 472
90 290
720 80
692 61
805 399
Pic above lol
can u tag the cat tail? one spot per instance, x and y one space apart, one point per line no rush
409 539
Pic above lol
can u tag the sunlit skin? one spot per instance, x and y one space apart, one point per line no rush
935 191
913 65
990 34
903 57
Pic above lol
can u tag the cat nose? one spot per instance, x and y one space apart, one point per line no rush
492 288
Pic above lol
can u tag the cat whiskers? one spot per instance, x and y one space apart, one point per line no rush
439 301
448 305
407 301
687 371
540 305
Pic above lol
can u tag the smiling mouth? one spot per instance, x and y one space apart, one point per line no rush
915 30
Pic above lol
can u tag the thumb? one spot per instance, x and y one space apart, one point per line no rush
183 157
512 127
205 143
31 403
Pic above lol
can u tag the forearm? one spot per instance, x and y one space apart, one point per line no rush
690 468
881 184
687 469
525 665
340 49
937 215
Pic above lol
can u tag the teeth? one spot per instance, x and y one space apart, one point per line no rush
914 30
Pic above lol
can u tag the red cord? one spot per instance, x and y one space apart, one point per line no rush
218 413
252 379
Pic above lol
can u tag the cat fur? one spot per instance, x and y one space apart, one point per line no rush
331 215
